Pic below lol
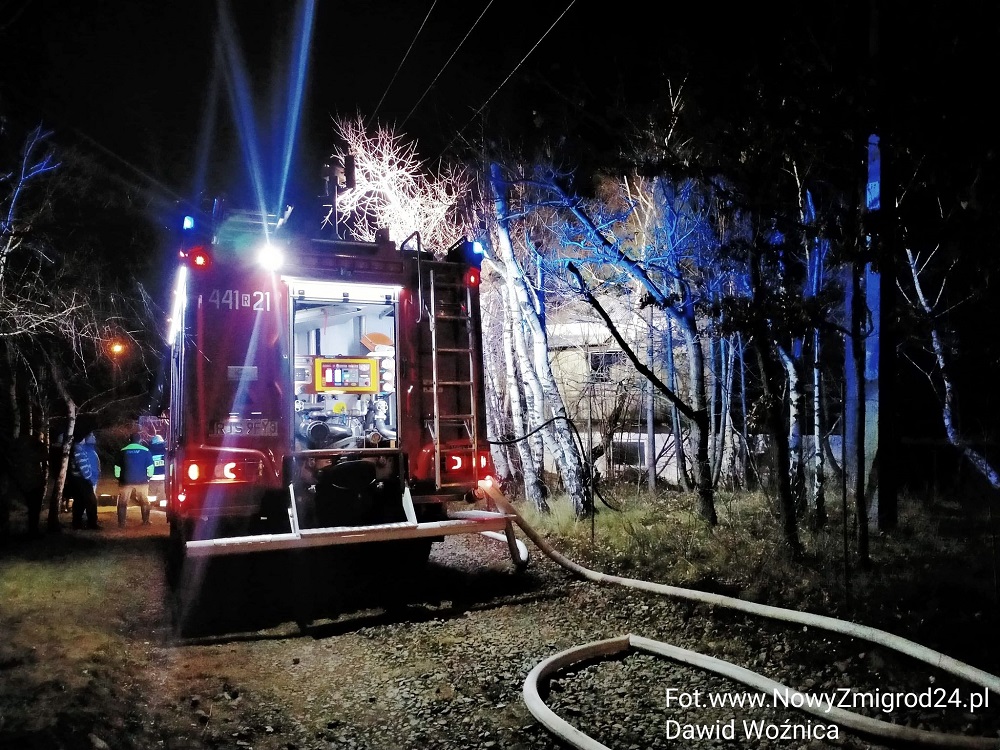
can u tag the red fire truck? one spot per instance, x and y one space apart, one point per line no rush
325 392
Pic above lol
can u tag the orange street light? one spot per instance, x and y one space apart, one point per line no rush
116 351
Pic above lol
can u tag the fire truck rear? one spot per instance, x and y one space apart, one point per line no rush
325 392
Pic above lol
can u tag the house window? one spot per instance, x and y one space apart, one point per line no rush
601 364
629 452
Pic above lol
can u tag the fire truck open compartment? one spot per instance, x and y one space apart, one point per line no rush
343 347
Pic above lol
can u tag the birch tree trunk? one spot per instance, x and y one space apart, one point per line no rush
538 375
723 438
701 426
494 428
816 456
714 396
58 473
650 405
794 398
744 434
680 454
532 393
541 388
533 486
974 457
815 255
772 380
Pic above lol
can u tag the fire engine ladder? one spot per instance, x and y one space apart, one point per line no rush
454 344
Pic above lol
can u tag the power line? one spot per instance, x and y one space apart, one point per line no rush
63 128
401 63
447 63
510 75
165 189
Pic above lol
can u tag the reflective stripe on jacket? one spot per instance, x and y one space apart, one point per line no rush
159 463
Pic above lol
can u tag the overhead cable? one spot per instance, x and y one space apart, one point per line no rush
447 62
509 76
401 63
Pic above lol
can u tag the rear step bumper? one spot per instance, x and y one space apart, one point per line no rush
459 522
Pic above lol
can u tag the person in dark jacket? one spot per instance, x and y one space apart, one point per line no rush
30 461
133 469
84 474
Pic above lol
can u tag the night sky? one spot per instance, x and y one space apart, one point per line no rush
136 77
134 80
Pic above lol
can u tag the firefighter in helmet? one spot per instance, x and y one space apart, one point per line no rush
133 470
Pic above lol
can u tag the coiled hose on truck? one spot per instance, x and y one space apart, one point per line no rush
616 646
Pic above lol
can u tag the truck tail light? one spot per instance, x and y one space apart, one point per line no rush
472 277
465 462
223 469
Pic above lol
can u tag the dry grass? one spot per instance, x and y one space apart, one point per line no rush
937 567
72 605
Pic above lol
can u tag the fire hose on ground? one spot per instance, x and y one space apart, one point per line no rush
622 645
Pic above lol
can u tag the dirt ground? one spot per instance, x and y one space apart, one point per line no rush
94 655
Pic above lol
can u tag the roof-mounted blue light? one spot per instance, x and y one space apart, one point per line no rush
188 223
466 251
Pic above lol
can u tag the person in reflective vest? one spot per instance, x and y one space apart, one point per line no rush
133 470
158 449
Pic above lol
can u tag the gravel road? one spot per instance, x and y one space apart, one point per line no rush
444 667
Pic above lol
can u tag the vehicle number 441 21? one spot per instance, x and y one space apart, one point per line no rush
234 299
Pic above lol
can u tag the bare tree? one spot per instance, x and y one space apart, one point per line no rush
593 233
530 341
940 376
57 311
395 189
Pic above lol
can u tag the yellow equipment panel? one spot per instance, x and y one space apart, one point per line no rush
346 375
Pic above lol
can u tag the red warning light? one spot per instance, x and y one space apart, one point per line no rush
472 277
199 257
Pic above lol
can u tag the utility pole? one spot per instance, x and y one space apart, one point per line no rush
882 222
650 409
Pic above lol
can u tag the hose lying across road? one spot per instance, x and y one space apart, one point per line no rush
617 646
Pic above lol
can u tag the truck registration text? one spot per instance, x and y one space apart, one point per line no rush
234 299
249 427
